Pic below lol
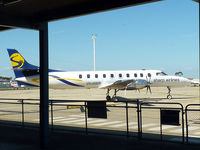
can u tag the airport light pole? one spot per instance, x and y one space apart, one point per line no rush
94 38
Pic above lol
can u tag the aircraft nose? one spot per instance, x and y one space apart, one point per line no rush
187 81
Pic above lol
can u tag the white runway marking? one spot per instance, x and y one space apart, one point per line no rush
195 134
124 124
74 121
107 123
163 128
80 120
81 115
91 121
95 121
143 126
180 130
59 120
54 118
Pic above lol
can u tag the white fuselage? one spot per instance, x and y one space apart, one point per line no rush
95 79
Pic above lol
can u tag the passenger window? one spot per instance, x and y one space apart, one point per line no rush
112 75
135 75
149 75
104 75
88 75
120 75
141 74
96 75
127 75
80 76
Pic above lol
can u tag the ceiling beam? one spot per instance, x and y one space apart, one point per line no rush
86 7
12 22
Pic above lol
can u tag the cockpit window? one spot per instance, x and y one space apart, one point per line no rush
161 74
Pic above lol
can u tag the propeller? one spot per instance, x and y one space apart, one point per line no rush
148 84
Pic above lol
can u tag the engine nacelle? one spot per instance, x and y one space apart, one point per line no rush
140 84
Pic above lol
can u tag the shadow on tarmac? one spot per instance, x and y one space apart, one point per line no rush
18 138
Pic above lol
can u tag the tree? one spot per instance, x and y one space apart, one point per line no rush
178 74
5 78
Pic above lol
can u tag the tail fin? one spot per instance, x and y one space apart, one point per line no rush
20 66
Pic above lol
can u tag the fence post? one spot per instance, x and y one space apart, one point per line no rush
183 132
51 115
139 119
160 126
186 123
22 113
86 129
127 129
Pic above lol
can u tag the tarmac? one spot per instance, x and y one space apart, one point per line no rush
18 138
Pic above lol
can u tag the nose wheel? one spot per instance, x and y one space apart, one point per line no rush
169 96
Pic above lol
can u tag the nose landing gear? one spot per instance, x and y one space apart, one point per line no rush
169 96
108 98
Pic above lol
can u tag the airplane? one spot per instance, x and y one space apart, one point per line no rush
28 75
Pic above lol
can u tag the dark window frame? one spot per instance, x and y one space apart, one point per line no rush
135 75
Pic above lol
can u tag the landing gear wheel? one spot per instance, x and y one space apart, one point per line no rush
114 98
169 97
108 98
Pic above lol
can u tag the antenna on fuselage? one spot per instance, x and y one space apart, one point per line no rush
94 39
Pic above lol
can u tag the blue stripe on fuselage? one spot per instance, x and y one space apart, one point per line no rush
65 81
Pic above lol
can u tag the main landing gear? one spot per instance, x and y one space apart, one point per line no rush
108 98
169 93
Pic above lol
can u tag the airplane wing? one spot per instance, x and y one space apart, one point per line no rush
119 84
139 84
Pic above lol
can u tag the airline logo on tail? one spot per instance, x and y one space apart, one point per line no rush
17 60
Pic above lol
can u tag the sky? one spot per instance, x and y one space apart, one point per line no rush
161 35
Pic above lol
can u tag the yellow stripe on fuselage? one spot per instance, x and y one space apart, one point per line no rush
68 79
37 79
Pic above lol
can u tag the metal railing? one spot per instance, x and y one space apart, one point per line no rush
193 109
136 106
160 108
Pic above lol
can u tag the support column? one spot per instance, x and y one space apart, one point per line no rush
44 85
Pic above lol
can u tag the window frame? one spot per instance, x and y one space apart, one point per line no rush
128 75
135 75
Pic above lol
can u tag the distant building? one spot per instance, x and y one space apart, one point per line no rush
5 82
